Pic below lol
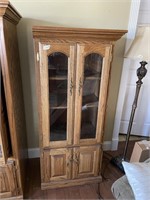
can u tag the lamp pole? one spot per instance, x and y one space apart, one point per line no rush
141 72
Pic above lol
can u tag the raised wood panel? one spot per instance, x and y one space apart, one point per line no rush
4 183
58 164
86 161
8 181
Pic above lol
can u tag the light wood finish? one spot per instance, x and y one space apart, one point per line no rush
103 94
70 183
68 50
11 76
110 174
57 164
83 50
8 180
76 160
86 161
75 34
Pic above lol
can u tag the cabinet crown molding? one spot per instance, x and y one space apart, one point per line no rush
77 33
8 12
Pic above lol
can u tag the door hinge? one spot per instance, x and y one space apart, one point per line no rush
38 56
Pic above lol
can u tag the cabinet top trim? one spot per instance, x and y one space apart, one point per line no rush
8 12
77 33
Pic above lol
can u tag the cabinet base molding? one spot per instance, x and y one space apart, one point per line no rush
69 183
13 198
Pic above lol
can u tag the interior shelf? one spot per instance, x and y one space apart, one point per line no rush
90 100
91 74
58 101
58 77
58 72
58 131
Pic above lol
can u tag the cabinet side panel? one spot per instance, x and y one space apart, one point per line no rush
14 96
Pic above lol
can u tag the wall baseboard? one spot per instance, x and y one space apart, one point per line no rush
35 152
107 145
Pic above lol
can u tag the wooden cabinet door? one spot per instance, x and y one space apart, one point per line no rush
8 181
86 161
56 91
93 66
57 164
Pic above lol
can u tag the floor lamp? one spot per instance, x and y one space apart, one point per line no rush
139 50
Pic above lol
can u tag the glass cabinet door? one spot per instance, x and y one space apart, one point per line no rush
59 83
58 79
90 64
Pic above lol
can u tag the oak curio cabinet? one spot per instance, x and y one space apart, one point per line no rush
72 69
13 147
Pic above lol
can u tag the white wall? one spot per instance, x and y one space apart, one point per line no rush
140 14
74 13
141 123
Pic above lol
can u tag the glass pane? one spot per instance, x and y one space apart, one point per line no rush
58 65
58 93
93 66
89 121
58 72
90 95
58 124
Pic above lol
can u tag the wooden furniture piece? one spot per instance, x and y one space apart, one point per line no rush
72 70
13 148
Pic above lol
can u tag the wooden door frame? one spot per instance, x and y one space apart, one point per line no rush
105 50
44 50
132 26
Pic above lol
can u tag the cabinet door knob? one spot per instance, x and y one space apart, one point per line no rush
76 158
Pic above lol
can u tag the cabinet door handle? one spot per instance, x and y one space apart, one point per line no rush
71 86
80 86
76 159
70 159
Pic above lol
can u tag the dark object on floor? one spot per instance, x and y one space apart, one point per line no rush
117 161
